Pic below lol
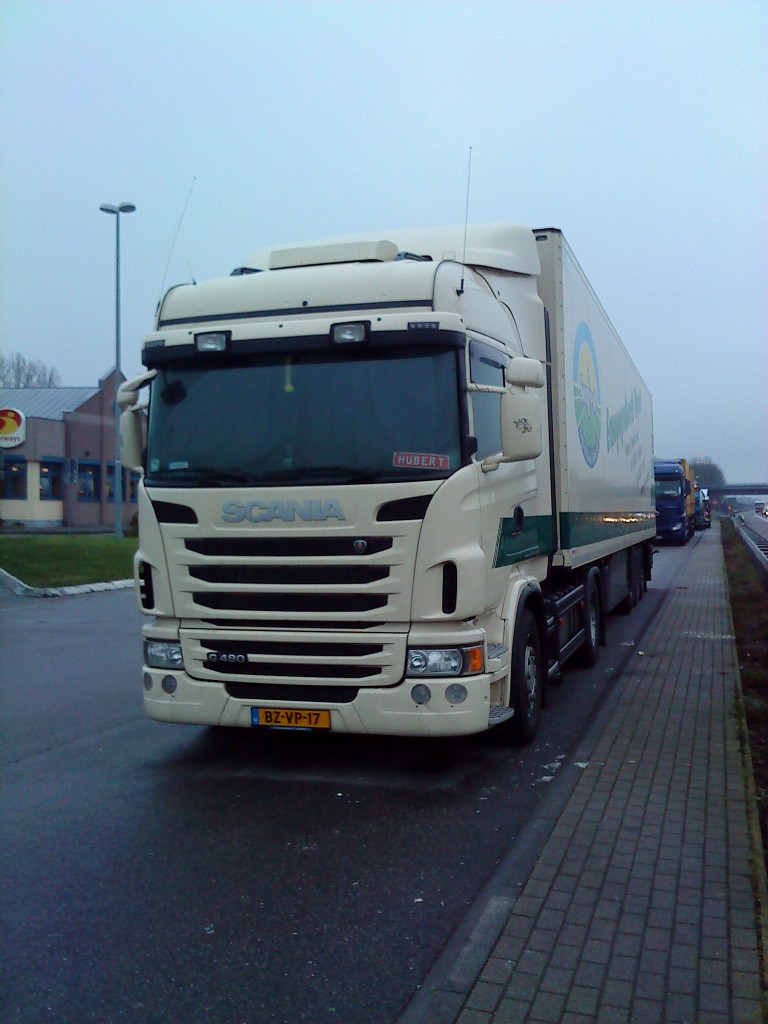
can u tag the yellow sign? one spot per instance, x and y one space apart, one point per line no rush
13 428
291 718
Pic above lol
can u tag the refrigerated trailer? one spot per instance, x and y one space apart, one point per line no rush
392 484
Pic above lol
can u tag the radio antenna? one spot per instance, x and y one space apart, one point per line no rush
466 222
173 243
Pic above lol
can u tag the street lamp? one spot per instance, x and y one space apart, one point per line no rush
118 478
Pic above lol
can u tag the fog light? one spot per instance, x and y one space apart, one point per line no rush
147 681
169 684
456 693
421 694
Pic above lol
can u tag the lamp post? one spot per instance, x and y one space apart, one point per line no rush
118 478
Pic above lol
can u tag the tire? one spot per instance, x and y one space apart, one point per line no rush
636 582
642 578
593 621
526 679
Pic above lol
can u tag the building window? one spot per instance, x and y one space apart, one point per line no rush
14 484
51 480
130 485
111 483
88 481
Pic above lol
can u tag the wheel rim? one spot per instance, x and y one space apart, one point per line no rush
531 676
593 622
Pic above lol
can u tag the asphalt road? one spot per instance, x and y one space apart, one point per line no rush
155 873
758 523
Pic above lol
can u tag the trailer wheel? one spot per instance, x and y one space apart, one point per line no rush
640 580
635 583
526 678
593 621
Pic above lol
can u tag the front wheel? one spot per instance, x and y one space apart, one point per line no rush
526 679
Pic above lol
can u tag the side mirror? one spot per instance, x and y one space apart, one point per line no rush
687 488
525 372
132 421
521 435
131 439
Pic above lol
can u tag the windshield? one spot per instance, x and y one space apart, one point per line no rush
312 417
668 486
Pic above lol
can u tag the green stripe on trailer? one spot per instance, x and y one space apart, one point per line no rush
578 529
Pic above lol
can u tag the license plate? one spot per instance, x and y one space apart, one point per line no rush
290 718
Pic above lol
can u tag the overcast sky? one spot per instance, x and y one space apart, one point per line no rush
637 128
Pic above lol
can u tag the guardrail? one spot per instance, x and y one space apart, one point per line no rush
757 549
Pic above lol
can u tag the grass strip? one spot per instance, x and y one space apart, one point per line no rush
63 561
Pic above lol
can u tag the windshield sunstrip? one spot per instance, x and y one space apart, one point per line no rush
157 355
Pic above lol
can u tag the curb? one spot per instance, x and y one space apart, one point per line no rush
21 589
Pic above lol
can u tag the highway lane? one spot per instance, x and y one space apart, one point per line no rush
157 873
757 522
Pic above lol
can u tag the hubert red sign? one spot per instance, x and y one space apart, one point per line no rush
420 460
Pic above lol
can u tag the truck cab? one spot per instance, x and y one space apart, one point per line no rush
672 491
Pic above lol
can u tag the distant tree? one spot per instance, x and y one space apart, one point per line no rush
707 472
16 371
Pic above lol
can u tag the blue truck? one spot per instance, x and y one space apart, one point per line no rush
674 502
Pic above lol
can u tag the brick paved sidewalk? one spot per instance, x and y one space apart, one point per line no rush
640 908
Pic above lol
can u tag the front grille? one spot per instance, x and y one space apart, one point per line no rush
290 575
305 606
303 694
327 576
303 602
287 547
295 658
289 649
320 624
278 671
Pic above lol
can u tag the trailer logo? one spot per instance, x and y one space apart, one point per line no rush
586 394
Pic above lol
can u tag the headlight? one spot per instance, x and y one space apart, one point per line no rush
159 654
445 661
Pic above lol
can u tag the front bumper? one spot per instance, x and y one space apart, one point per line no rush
389 711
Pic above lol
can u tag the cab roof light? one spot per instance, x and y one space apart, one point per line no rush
351 333
213 341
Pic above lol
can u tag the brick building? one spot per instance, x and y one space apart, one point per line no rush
57 457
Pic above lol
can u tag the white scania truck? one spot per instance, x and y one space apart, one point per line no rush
391 484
